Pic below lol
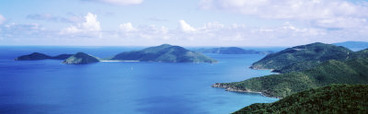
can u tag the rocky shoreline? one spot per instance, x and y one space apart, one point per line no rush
235 89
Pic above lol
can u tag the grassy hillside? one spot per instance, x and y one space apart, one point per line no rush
330 99
164 53
302 57
354 71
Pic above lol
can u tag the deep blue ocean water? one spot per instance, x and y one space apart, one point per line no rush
48 86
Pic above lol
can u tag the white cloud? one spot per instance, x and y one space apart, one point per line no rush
2 19
14 30
320 20
341 22
127 27
290 9
90 27
119 2
52 18
215 33
185 27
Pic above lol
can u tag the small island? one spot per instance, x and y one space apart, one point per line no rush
41 56
164 53
81 58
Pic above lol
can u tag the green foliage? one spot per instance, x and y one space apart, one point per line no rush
329 99
354 71
302 57
164 53
81 58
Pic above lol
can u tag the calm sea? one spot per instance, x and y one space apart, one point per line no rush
47 86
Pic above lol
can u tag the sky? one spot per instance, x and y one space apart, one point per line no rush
181 22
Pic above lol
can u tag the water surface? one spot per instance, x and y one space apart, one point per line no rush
48 86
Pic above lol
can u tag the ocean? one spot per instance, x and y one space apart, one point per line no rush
50 87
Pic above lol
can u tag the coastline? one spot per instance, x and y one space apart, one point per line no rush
126 61
235 89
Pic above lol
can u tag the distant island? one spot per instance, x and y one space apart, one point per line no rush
330 99
302 57
231 50
41 56
81 58
164 53
353 44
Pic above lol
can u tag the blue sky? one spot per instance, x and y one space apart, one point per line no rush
184 22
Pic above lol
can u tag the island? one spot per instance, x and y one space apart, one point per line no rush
356 45
41 56
302 57
346 99
164 53
231 50
81 58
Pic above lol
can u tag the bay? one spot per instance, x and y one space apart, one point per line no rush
48 86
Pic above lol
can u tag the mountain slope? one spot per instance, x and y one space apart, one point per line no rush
329 99
81 58
164 53
302 57
354 71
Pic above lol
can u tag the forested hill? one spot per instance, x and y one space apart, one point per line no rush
164 53
346 99
302 57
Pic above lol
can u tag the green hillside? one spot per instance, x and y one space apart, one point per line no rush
164 53
81 58
346 99
302 57
354 71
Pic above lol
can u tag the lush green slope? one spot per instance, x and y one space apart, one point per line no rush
231 50
41 56
354 71
164 53
346 99
302 57
81 58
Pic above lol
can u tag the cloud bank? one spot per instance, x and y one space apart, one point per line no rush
89 28
119 2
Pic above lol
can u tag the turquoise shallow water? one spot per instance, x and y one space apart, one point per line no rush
51 87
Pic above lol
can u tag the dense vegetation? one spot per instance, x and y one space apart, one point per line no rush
353 71
164 53
41 56
231 50
81 58
330 99
302 57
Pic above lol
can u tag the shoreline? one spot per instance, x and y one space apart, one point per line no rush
125 61
234 89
